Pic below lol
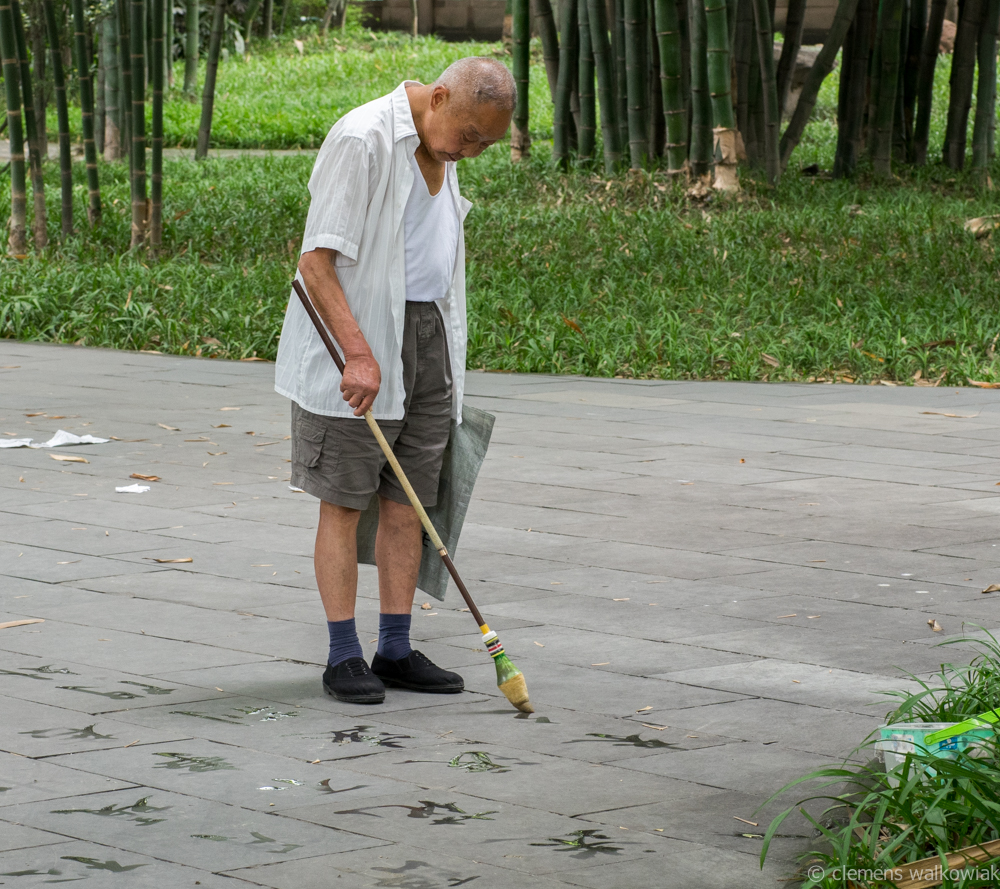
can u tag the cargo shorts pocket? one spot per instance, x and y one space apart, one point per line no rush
307 444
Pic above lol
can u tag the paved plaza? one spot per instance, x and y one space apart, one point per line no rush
706 585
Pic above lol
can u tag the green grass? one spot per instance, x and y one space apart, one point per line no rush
567 272
926 807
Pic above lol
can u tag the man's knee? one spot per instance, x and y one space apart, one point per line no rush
338 517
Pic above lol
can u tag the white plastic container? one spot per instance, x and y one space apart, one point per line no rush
901 738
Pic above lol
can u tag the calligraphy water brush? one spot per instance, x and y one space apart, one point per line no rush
510 680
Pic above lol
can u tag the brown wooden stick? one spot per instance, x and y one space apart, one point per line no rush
411 495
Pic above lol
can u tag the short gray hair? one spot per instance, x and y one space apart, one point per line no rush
478 80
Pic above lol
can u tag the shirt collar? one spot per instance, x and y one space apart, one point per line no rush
402 117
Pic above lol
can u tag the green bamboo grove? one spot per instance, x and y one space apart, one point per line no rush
699 86
122 54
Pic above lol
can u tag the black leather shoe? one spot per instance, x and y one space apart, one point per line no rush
353 682
416 671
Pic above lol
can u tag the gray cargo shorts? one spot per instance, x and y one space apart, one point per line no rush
337 459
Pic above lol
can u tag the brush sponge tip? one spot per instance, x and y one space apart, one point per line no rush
516 691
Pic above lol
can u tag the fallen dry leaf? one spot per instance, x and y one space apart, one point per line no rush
934 625
619 600
168 428
426 606
984 385
145 478
36 414
20 623
780 616
230 408
960 416
981 226
644 709
222 426
601 664
539 644
168 561
68 458
992 588
770 359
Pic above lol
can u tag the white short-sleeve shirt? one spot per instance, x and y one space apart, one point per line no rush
359 187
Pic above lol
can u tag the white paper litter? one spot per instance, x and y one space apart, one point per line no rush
60 439
133 489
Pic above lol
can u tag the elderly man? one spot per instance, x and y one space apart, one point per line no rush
383 258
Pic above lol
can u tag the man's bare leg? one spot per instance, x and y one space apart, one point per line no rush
398 547
347 677
336 560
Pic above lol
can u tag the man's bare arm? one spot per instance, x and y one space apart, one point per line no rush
362 376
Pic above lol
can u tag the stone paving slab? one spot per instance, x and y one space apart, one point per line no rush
707 585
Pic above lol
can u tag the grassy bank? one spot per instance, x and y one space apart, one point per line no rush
854 281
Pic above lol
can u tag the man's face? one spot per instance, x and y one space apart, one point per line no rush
452 133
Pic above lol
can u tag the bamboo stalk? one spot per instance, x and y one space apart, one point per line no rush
520 138
890 23
700 159
137 39
86 112
191 45
156 165
911 70
168 44
125 65
36 37
211 70
100 87
900 137
269 17
654 95
601 48
986 91
682 20
668 34
17 240
720 90
35 148
112 89
545 26
742 53
795 20
963 63
769 89
569 37
853 88
621 83
253 7
821 67
925 80
588 111
62 115
635 81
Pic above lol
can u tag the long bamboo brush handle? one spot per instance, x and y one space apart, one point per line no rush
411 495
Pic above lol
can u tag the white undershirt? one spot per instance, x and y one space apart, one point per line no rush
431 230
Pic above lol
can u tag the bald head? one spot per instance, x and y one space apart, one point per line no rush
479 81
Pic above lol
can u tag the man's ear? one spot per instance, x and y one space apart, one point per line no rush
439 97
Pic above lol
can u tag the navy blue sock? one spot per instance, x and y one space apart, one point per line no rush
344 642
394 636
